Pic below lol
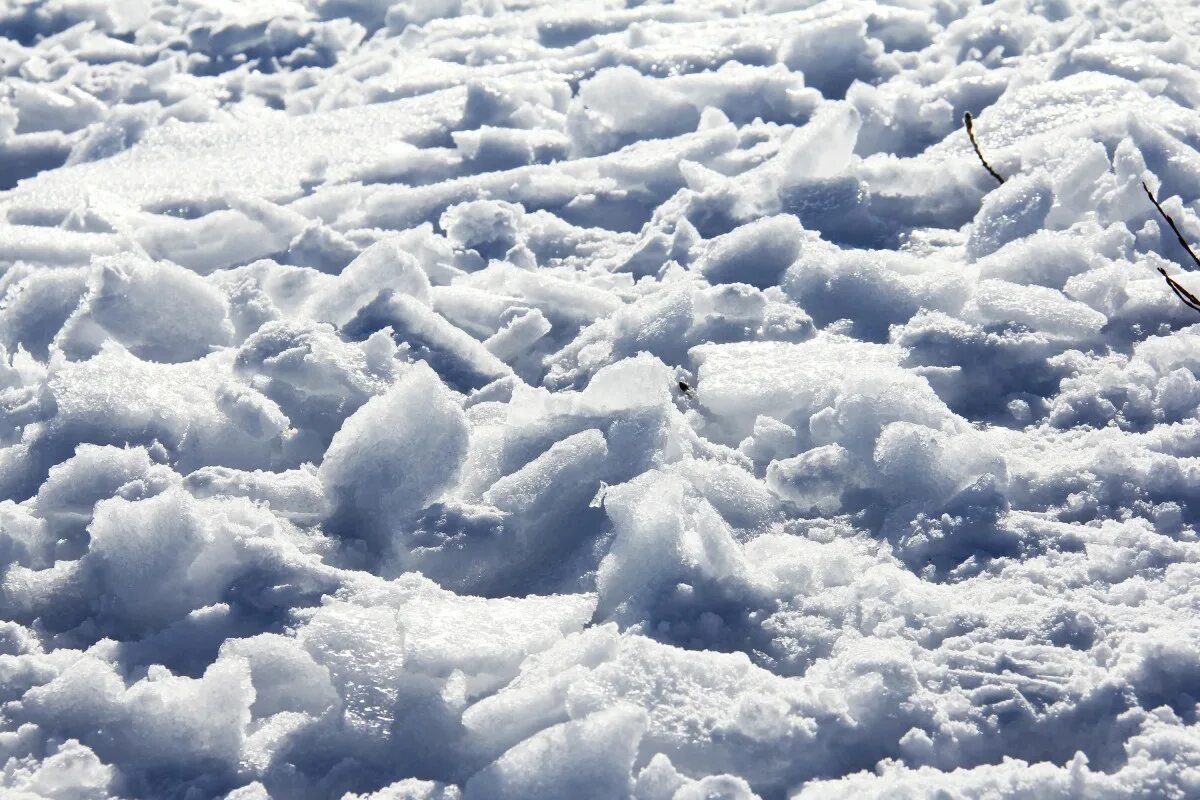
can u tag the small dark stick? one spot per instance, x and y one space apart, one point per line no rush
970 123
1171 222
1190 300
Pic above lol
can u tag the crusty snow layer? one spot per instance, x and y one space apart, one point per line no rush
510 399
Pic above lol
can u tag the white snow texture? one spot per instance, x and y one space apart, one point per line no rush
571 399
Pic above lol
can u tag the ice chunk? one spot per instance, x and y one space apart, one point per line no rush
1014 210
220 239
1041 308
394 653
658 325
159 311
490 227
536 699
632 383
306 366
382 266
659 780
809 159
178 405
46 108
71 490
918 463
321 247
665 535
59 247
296 494
139 549
832 52
757 254
68 771
734 492
284 676
504 631
521 331
478 312
251 791
1047 258
191 725
559 298
769 440
546 486
708 712
815 478
588 758
745 92
620 105
362 652
459 359
821 386
395 455
493 148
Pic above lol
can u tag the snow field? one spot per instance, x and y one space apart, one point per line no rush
487 399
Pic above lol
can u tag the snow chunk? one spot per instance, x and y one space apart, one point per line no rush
589 758
1013 211
757 253
620 105
396 454
159 311
1040 308
837 390
657 547
382 266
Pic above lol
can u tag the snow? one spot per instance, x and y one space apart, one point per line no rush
444 399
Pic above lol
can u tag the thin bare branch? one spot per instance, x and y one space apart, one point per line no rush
1171 222
1187 298
1190 300
969 121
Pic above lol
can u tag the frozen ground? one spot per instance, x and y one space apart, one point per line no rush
344 438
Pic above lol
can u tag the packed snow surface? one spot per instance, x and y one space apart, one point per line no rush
484 399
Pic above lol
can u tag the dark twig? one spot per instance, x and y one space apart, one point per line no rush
1190 300
1171 222
969 121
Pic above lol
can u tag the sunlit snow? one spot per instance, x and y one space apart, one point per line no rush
487 399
